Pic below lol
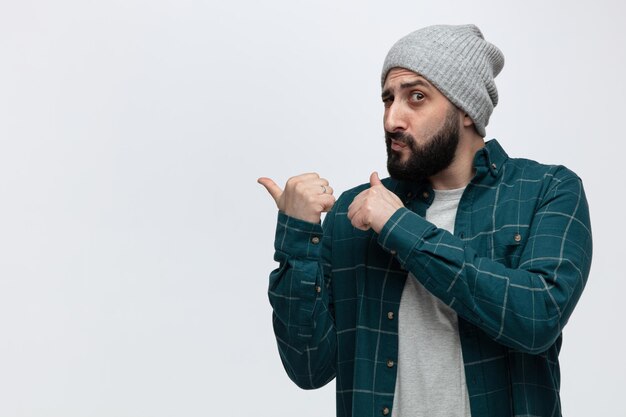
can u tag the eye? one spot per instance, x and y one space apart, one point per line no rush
417 96
387 102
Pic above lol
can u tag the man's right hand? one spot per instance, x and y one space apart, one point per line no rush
305 196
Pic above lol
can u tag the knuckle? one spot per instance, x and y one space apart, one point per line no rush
298 186
291 182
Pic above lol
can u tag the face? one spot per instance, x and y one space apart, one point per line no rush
421 127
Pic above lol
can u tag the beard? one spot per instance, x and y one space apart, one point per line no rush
426 160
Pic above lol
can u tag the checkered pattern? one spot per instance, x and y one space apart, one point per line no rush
513 271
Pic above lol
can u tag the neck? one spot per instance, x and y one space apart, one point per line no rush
461 170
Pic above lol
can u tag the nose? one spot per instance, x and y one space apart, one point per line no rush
394 119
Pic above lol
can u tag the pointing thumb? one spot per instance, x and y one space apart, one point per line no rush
271 187
374 180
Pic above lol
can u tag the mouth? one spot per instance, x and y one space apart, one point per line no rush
397 146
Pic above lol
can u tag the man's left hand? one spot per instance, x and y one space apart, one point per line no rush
374 206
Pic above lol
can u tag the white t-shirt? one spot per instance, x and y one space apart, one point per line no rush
431 375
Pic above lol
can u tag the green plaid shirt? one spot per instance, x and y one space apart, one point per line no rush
513 272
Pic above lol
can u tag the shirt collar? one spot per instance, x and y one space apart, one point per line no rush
490 159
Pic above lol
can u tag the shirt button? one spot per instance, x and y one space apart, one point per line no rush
518 237
390 363
494 166
386 411
315 240
393 252
409 194
318 289
425 195
390 315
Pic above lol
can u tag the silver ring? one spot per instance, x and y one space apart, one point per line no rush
323 189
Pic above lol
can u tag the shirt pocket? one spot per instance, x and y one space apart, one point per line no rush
506 246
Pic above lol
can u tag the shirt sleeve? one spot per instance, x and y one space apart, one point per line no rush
524 308
300 295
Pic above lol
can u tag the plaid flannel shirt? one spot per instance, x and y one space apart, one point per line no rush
513 272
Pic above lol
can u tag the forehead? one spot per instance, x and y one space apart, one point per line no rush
398 76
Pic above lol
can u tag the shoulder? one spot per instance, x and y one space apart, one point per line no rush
518 179
523 169
530 170
530 179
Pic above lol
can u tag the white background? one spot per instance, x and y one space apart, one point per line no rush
135 244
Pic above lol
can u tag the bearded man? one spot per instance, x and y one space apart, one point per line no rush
444 289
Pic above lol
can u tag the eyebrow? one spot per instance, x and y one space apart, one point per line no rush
387 92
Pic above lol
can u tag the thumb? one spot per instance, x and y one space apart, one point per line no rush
271 187
374 180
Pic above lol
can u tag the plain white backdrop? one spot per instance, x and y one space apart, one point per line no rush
135 244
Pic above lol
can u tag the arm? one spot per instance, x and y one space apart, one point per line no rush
299 289
524 308
300 295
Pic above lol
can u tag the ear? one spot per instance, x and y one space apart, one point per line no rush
467 121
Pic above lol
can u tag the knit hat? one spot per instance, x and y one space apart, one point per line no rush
458 61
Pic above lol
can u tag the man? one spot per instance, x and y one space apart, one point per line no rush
443 290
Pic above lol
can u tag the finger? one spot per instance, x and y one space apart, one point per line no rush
308 176
271 187
322 181
326 189
315 188
374 180
358 200
354 208
358 221
351 211
328 201
364 227
303 180
317 181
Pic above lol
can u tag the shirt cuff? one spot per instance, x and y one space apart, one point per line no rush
298 238
402 232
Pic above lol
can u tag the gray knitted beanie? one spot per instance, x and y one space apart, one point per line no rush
458 61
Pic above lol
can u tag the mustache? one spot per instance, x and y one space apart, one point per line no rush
401 137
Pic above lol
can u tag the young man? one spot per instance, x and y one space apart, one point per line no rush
442 290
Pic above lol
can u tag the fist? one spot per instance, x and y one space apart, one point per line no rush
305 196
373 207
